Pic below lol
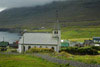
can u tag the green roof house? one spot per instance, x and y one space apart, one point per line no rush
65 43
4 44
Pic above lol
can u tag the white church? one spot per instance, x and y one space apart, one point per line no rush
40 40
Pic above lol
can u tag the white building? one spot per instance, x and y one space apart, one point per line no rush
96 41
40 40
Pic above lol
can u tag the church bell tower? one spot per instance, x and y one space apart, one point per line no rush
57 32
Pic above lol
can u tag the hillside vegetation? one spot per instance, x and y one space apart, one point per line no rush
80 32
71 13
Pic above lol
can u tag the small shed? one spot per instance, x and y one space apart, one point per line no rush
65 43
96 40
4 44
88 43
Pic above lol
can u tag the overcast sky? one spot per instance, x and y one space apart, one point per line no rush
21 3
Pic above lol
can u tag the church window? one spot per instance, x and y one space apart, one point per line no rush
24 48
40 46
56 32
52 48
29 47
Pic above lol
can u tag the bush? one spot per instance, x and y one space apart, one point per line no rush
81 50
87 50
65 65
3 49
13 50
65 54
39 50
93 62
96 47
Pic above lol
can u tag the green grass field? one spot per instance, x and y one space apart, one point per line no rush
80 32
86 59
89 59
24 61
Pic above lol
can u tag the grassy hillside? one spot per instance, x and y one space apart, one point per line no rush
80 32
71 13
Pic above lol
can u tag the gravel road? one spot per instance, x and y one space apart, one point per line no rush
60 61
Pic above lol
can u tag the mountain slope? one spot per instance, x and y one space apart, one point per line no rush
71 13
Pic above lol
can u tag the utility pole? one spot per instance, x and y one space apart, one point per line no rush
23 45
3 39
57 19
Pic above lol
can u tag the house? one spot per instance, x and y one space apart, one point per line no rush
14 45
88 43
40 40
96 41
65 43
4 44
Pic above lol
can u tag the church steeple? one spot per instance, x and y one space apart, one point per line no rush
56 30
57 24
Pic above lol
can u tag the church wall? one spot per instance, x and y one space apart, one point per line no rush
37 46
20 48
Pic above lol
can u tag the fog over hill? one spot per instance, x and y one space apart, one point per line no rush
22 3
71 13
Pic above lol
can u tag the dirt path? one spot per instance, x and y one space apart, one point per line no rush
60 61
